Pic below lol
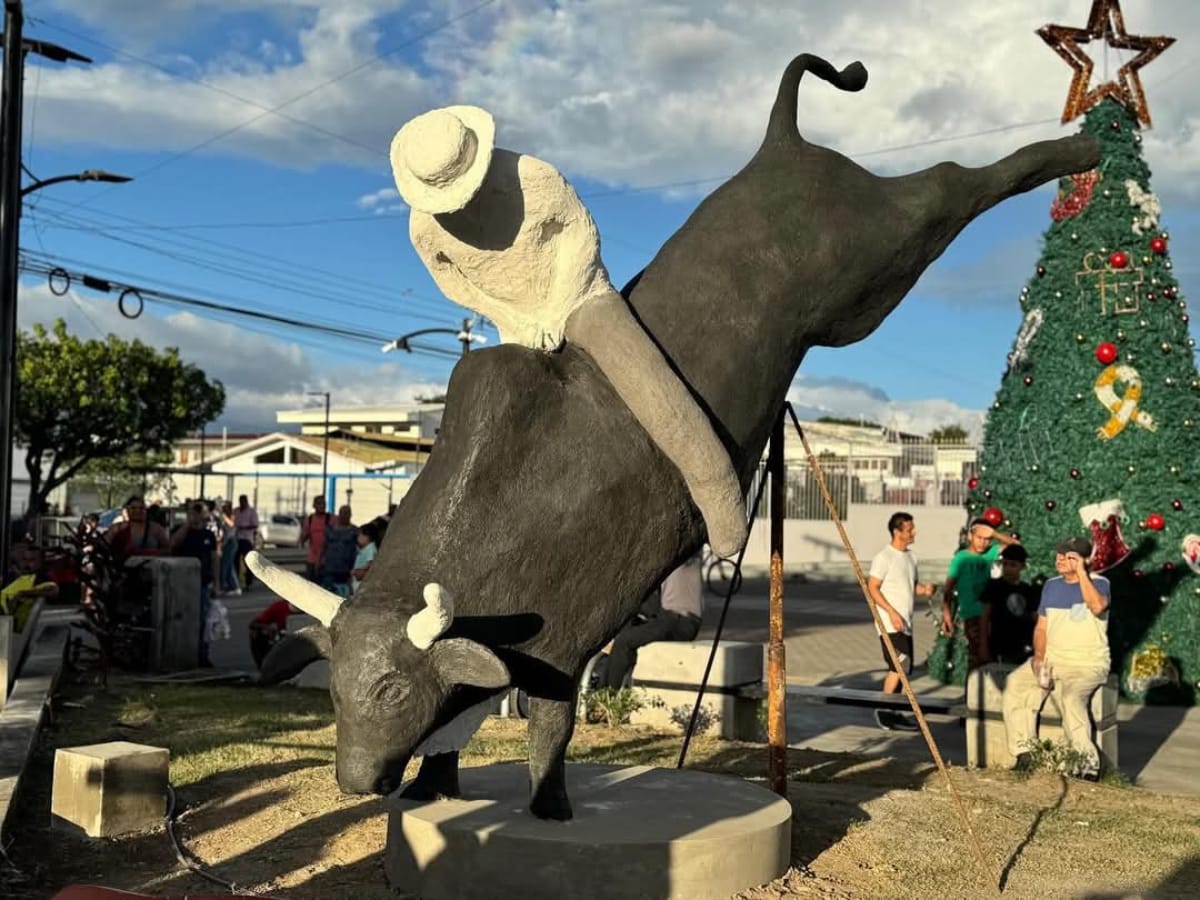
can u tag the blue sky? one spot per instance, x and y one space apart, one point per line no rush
645 106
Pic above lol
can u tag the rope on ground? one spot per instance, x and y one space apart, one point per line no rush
984 871
189 861
734 582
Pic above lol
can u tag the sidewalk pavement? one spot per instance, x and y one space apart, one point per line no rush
830 639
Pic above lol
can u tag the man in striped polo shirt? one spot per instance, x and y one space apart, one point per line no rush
1070 658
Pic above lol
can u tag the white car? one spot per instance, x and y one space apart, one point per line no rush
280 531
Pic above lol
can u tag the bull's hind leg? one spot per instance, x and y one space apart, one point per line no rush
436 780
550 725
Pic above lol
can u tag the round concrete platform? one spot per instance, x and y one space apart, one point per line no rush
638 832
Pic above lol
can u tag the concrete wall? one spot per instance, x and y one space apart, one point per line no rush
811 544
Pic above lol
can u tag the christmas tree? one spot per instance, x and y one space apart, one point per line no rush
1095 426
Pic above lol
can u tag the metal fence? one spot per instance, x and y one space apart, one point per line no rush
902 473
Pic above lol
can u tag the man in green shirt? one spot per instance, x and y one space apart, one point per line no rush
969 572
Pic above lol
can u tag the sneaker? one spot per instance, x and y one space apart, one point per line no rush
1024 763
885 719
902 722
1089 775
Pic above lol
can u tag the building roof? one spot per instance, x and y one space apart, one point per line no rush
367 452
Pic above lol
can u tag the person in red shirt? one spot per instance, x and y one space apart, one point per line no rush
313 533
267 627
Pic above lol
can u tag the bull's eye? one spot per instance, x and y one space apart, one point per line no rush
389 691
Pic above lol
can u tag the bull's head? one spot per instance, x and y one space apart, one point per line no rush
393 676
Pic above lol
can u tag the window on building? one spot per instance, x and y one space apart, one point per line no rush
304 458
271 456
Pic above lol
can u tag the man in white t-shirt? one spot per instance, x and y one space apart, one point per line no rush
893 585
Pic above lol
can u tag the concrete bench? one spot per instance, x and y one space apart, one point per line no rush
104 790
823 693
669 674
987 739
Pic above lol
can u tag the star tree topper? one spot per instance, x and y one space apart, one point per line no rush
1105 21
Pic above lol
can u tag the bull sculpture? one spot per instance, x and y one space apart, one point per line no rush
545 513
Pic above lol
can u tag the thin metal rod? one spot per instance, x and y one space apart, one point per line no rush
712 653
980 858
776 651
330 502
10 218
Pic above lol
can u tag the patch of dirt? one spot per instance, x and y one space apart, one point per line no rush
862 827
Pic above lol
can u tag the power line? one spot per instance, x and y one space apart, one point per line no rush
172 298
279 265
275 110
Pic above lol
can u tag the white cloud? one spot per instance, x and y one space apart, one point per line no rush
627 93
261 374
383 201
847 398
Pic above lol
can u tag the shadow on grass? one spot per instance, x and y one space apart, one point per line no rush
1181 884
1032 832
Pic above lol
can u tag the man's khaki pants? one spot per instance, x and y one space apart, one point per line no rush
1073 689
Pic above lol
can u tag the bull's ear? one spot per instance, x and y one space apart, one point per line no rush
295 653
462 661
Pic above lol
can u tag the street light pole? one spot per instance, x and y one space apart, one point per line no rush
464 334
16 46
325 452
10 212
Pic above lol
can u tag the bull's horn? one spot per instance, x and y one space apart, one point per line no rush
296 590
430 623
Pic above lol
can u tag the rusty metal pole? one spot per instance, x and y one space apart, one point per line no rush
776 659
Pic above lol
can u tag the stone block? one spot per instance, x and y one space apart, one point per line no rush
987 743
682 663
109 789
173 585
668 675
638 832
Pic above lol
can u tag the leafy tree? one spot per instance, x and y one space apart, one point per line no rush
1095 424
431 398
948 434
116 477
79 402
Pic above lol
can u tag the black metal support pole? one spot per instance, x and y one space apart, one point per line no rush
10 214
466 336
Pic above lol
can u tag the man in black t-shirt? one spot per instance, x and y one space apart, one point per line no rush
1010 608
196 540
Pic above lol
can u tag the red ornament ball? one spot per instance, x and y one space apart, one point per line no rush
993 517
1158 245
1028 380
1106 353
1177 505
1168 566
972 483
1119 259
1138 573
1075 473
1155 522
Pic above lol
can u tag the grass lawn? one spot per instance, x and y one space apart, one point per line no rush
253 771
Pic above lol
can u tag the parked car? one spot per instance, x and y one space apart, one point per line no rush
280 531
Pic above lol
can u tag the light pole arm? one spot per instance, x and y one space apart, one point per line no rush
89 175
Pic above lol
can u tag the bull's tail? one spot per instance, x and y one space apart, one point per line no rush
782 125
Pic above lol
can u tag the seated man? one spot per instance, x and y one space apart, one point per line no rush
1070 658
677 619
27 581
1010 609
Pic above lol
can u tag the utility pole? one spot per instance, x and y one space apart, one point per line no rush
202 436
11 94
325 453
465 335
10 213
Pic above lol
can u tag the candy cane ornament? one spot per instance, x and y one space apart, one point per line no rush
1124 409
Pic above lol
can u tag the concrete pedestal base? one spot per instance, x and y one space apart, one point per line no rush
638 832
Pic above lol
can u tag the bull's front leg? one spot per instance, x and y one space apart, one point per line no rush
550 725
437 778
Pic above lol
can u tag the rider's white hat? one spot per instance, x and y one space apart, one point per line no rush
440 158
